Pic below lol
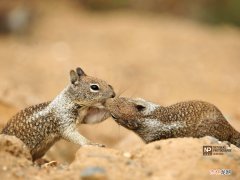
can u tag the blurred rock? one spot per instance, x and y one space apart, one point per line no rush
14 146
93 173
14 158
18 19
15 18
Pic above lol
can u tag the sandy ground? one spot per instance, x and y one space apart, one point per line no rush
159 58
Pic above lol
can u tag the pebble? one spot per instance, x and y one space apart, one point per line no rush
127 154
93 173
157 147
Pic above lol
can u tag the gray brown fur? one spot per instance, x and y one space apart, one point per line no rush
40 126
185 119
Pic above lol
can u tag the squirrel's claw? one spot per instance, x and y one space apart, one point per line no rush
95 144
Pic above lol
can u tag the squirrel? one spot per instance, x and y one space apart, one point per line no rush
40 126
185 119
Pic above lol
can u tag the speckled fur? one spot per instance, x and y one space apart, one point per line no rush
184 119
40 126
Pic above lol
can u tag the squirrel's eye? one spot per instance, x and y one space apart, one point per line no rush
140 107
94 87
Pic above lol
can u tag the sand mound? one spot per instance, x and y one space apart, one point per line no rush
180 158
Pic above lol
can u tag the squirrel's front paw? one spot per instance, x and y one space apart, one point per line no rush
99 145
95 144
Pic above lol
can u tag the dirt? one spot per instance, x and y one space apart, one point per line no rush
179 158
159 58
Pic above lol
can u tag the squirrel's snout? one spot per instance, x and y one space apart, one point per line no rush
109 104
113 94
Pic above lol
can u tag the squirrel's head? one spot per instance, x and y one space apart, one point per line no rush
87 90
130 113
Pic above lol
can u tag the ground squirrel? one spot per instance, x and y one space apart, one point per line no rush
40 126
185 119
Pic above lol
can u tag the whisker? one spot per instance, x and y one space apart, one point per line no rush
121 92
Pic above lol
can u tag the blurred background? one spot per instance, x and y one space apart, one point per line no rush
165 51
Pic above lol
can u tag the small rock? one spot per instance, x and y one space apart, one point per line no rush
149 173
93 173
4 168
129 162
157 146
127 154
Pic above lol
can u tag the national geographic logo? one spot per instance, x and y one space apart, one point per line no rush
215 150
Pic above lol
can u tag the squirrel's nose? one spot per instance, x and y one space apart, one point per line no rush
113 95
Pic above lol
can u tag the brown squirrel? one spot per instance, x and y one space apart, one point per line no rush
40 126
185 119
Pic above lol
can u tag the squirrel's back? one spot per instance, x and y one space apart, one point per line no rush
22 124
185 119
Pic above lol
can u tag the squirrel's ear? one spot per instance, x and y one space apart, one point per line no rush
73 77
80 72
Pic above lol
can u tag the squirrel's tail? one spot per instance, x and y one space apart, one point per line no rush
235 139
